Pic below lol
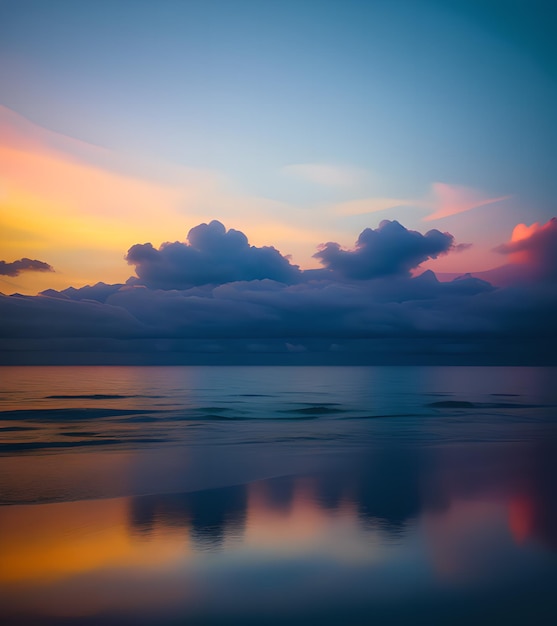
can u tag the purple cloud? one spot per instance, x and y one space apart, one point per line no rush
98 292
23 265
212 255
388 250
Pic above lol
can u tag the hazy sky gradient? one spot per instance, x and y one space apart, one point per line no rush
296 122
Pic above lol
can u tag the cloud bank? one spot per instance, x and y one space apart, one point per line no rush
217 295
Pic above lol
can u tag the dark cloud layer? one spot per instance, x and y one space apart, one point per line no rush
23 265
99 292
330 312
388 250
212 255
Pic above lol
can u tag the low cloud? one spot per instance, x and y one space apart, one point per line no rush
24 265
388 250
214 256
211 255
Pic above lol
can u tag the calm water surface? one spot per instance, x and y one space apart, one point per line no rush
278 495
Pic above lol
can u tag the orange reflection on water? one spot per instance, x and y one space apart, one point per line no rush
184 553
52 541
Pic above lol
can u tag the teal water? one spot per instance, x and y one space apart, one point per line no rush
284 495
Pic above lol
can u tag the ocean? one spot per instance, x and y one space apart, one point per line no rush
278 495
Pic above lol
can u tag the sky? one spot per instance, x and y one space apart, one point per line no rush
314 128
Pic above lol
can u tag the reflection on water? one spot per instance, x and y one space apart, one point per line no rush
370 539
57 541
331 515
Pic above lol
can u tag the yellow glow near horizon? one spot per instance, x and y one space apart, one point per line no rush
77 217
81 217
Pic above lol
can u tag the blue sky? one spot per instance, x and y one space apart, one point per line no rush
413 92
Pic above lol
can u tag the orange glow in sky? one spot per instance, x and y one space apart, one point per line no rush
80 217
79 208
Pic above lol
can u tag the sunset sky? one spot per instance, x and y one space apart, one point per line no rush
298 123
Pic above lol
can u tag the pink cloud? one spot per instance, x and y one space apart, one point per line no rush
532 257
534 246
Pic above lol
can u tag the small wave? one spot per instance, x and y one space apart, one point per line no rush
254 395
314 410
320 404
245 417
452 404
97 396
140 419
509 395
213 417
28 446
61 414
386 415
464 404
437 394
